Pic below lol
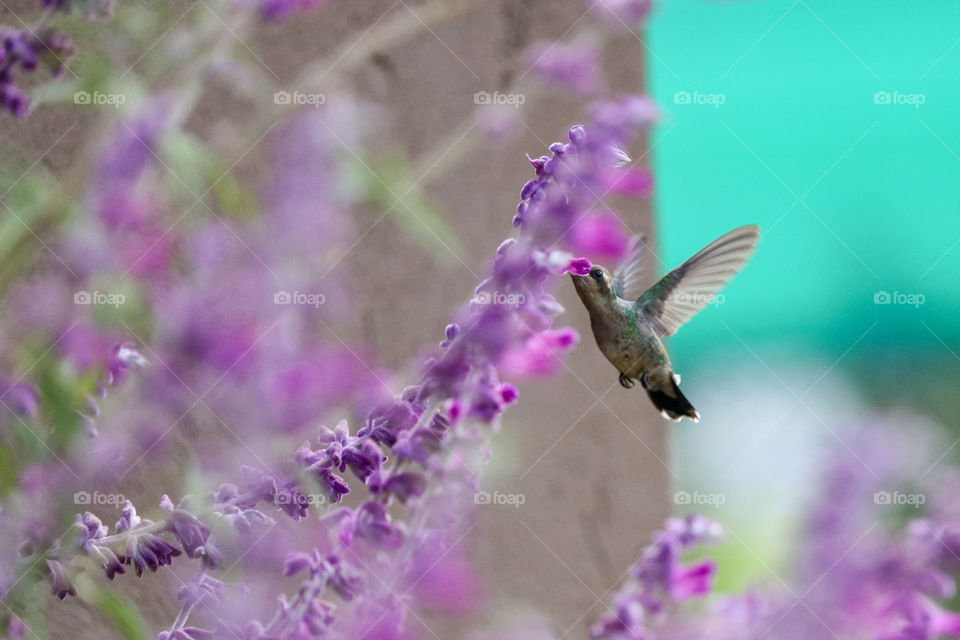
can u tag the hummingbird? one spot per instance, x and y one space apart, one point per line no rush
629 326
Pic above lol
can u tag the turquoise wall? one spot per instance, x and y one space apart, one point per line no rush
878 184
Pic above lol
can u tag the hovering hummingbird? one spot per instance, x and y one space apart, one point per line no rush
629 326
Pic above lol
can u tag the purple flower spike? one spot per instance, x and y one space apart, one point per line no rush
659 579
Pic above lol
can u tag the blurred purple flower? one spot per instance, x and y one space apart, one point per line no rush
660 579
279 9
630 12
26 49
60 584
574 67
600 234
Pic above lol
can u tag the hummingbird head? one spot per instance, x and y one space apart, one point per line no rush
595 287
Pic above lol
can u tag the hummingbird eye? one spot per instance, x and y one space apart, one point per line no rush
596 274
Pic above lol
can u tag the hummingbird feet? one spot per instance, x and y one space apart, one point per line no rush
626 382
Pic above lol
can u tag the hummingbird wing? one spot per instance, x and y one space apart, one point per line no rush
628 278
680 294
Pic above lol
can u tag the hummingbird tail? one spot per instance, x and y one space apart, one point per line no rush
672 404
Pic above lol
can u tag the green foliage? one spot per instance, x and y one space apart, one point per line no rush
123 613
387 184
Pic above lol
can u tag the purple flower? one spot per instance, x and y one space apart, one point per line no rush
93 530
285 495
20 398
574 67
26 49
189 531
385 422
130 519
199 589
60 584
600 234
363 457
540 355
369 522
148 551
659 579
418 444
404 485
330 569
578 266
280 9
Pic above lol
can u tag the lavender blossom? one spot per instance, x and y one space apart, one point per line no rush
660 579
574 67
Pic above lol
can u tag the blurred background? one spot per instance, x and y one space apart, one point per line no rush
831 125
